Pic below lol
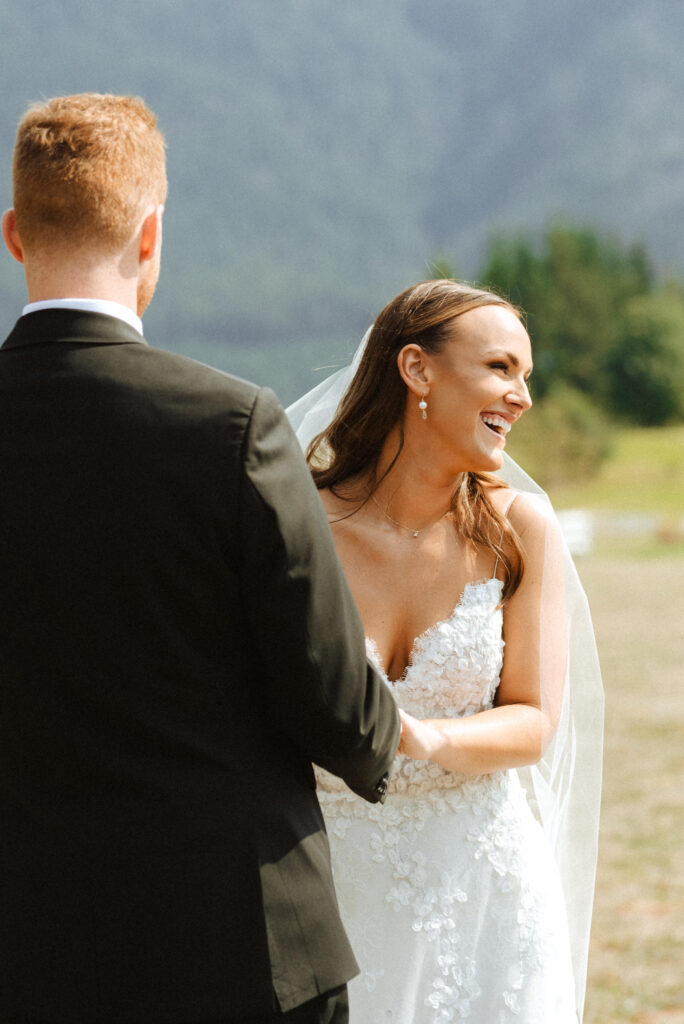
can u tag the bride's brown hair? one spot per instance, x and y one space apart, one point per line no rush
374 403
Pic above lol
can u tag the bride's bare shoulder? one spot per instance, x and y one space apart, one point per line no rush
527 512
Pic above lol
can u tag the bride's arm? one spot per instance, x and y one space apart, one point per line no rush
517 729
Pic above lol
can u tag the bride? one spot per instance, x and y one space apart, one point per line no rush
468 895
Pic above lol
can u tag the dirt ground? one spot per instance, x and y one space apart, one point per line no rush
636 964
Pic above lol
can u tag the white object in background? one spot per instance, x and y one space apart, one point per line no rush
577 527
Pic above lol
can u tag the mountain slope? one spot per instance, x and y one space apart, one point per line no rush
321 154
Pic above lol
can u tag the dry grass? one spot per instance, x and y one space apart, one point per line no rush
636 965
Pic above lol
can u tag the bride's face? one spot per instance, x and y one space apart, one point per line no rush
478 388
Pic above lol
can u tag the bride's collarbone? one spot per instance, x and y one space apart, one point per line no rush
418 577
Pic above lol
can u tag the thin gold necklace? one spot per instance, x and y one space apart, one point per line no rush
409 529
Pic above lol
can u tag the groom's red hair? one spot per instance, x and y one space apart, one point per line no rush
85 167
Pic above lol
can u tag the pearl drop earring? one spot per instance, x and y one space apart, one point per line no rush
422 405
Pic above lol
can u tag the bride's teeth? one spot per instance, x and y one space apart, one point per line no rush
497 422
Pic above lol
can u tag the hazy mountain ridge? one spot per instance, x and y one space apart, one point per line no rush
320 154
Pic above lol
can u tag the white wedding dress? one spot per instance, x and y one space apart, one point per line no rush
459 894
450 892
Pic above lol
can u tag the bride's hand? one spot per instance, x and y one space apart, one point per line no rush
419 740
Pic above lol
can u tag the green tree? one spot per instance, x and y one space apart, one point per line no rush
574 288
646 364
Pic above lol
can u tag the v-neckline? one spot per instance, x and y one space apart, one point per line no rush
470 585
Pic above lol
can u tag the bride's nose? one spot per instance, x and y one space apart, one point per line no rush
519 396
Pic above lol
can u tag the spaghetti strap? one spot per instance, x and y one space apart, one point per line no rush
505 514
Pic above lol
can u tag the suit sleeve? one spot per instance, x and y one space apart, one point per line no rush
322 691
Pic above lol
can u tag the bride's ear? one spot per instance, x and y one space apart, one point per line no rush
414 368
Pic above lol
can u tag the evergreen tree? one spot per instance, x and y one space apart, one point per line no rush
576 290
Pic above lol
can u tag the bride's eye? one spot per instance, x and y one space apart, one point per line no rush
499 366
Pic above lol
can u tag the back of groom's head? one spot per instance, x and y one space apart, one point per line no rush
85 169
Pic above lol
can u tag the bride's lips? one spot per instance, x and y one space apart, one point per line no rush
497 424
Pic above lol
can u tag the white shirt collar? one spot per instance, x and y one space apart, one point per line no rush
105 306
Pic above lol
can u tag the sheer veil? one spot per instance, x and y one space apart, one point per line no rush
564 787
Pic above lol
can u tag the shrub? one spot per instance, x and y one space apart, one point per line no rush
563 438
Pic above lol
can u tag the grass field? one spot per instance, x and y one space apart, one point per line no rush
644 473
636 965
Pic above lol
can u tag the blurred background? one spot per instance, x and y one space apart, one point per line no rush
322 157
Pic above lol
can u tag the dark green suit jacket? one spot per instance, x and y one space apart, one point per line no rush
177 645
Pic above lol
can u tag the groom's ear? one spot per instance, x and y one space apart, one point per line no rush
413 367
151 234
11 235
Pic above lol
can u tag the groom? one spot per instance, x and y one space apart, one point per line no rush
177 643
